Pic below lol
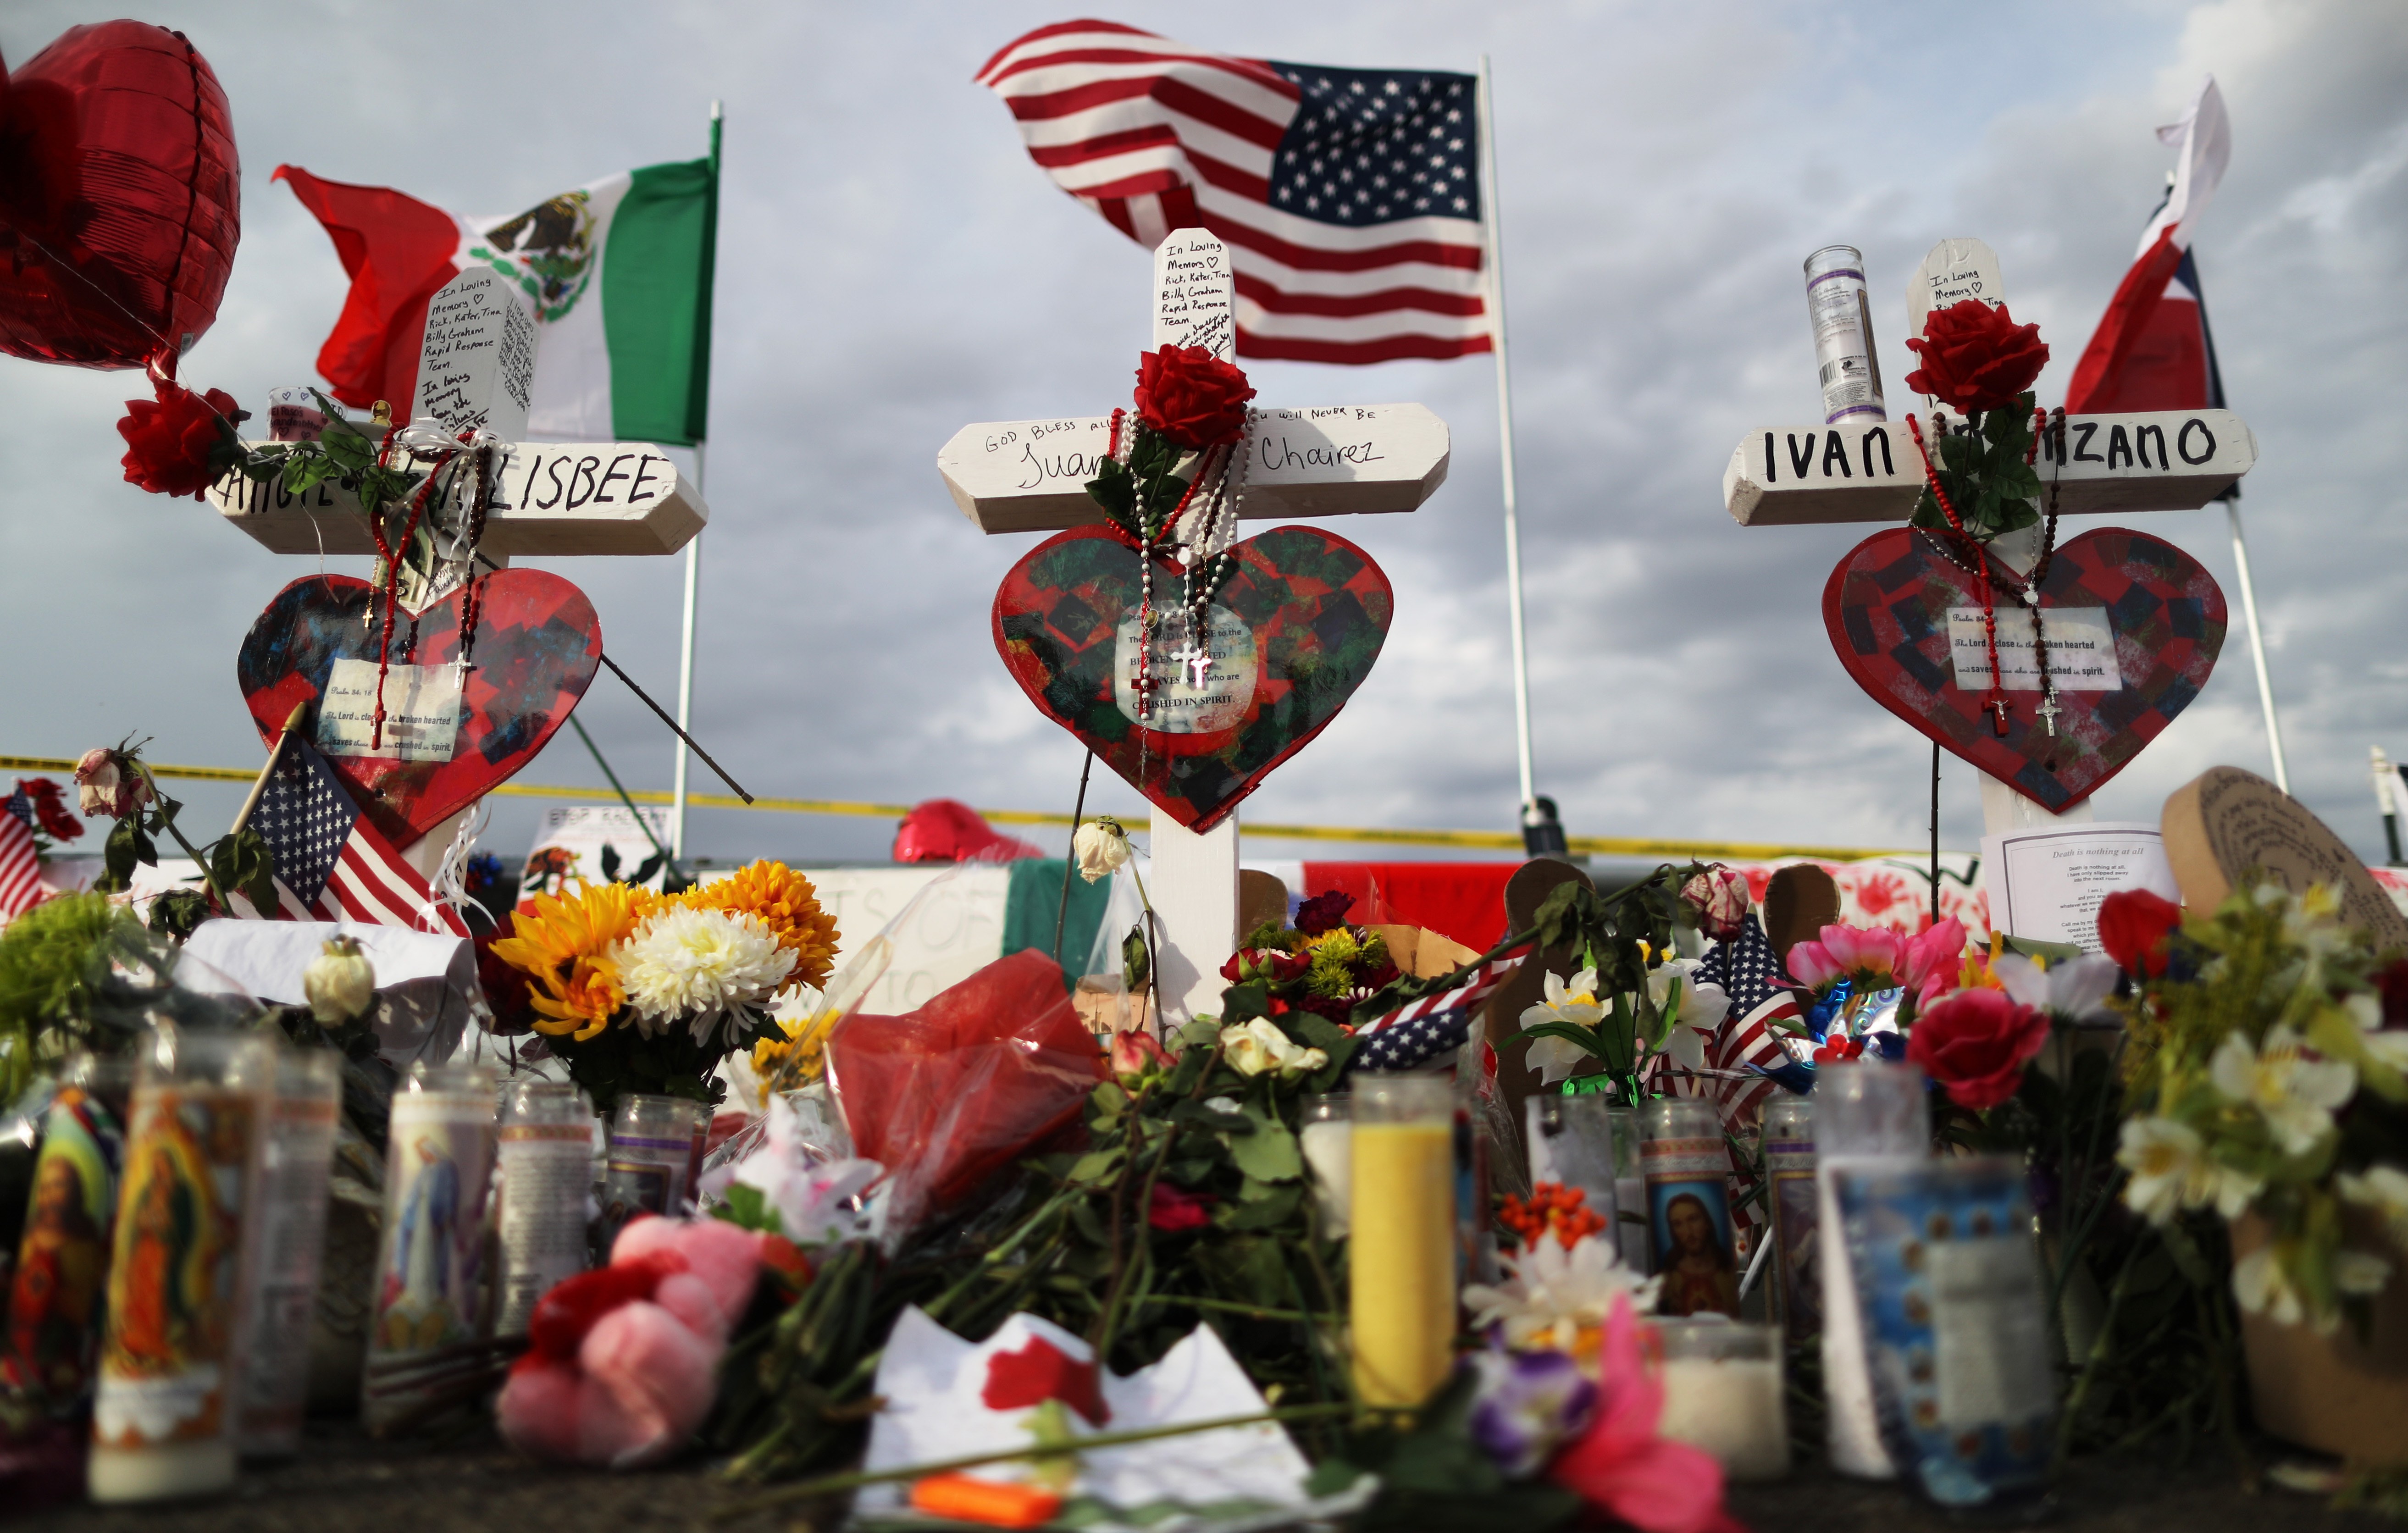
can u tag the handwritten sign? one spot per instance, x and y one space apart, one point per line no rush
2226 825
1185 703
422 712
2080 648
1194 294
477 362
1956 270
2046 885
2145 461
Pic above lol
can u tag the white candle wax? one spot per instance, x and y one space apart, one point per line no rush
1732 1408
1330 1149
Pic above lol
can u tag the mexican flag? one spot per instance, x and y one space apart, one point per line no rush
616 273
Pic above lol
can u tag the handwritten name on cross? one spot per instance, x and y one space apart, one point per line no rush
474 369
2137 461
1029 476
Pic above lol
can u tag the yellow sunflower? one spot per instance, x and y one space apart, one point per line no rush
787 905
564 950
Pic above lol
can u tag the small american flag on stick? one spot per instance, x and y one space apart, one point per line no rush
1350 198
331 863
21 862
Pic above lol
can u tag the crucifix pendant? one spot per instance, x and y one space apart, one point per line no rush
1195 659
2048 709
1997 707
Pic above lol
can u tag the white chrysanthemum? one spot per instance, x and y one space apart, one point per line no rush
2171 1171
2292 1091
1555 1294
697 966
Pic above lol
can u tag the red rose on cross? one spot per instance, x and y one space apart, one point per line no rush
1977 357
171 447
1191 396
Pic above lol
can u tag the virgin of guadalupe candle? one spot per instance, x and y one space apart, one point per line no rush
1722 1393
1688 1207
297 1154
55 1298
1400 1253
547 1158
424 1340
164 1420
1789 1164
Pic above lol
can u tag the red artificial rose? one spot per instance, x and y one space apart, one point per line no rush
1173 1210
1976 1043
1191 396
1977 357
1043 1371
171 447
2133 925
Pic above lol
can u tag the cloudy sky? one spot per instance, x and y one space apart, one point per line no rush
893 265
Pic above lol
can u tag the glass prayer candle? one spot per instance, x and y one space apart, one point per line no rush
294 1166
163 1421
1329 1144
1572 1143
56 1300
426 1343
1688 1207
654 1141
1722 1393
1844 360
1400 1253
1789 1167
1630 1191
546 1159
1866 1113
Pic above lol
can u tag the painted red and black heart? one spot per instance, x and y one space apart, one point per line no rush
536 644
1293 633
2132 626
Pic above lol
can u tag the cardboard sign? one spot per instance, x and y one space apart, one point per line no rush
2227 825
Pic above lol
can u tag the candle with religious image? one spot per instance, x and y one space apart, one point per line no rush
547 1161
1789 1167
654 1144
426 1344
56 1298
1688 1207
295 1161
1401 1251
169 1398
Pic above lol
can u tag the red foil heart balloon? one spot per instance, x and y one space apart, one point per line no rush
2132 627
538 643
119 198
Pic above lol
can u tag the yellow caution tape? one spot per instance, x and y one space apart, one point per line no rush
1594 846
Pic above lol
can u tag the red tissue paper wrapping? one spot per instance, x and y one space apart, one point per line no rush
979 1076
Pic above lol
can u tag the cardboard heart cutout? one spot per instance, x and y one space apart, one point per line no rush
121 197
538 643
1886 609
1296 631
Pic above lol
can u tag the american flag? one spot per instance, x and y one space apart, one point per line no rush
1349 198
21 867
331 864
1432 1027
1752 976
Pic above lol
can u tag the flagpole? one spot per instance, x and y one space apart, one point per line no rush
693 550
1505 435
2258 646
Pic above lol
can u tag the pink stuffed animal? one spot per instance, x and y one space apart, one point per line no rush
622 1362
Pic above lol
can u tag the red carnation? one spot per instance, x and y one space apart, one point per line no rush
1976 1043
1324 912
1043 1371
1191 396
1977 357
2133 925
179 445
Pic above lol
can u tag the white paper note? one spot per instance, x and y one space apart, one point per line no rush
2046 885
2080 648
422 712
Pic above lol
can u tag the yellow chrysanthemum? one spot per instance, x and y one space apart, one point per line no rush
562 950
787 905
800 1055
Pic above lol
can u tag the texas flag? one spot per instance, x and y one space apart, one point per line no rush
616 274
2152 349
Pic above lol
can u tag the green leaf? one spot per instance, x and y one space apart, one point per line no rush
1095 1167
1270 1153
120 854
1262 1206
1135 963
1570 1032
347 448
1243 1003
746 1207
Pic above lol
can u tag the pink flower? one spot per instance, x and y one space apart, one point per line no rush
1135 1052
1621 1466
1812 964
1930 961
1865 955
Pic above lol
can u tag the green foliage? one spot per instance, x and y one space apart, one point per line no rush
1433 1476
1141 496
45 981
342 453
621 1059
1985 473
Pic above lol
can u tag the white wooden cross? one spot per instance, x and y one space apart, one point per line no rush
475 362
2142 461
1028 476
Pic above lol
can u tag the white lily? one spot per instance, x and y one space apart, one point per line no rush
1573 1001
2171 1171
2292 1092
1555 1294
1696 1009
2071 990
2384 1189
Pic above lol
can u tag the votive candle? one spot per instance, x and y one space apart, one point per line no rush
1722 1393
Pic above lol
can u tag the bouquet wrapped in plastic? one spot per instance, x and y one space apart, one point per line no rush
948 1094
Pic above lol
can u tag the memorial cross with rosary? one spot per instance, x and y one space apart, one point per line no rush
1028 476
